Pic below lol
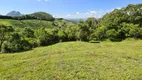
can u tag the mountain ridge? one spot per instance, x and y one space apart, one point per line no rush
14 13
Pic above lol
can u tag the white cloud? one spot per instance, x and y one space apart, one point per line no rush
77 13
118 8
114 9
89 13
38 0
46 0
69 15
92 12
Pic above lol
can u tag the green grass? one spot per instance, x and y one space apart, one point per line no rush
32 23
26 23
75 60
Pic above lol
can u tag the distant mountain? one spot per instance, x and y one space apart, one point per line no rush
14 13
76 20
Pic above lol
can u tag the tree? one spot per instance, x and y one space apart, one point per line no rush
42 16
136 32
41 36
131 30
72 33
45 37
83 31
126 22
62 35
4 32
99 33
28 33
112 34
92 22
15 43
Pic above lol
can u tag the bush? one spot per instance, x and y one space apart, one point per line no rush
4 48
15 44
112 34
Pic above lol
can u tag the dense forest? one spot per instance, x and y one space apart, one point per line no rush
117 25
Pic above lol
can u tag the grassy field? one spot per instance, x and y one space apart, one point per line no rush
75 61
26 23
33 23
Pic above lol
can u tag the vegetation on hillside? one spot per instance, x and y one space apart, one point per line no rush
124 23
117 25
33 24
108 48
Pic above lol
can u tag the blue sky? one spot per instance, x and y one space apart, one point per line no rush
65 8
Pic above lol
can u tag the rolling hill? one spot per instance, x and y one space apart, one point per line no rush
33 23
34 20
75 60
26 23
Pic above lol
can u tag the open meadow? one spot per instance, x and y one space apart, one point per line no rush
75 60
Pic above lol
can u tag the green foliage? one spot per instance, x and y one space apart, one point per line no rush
42 16
92 22
112 34
42 37
4 47
27 32
73 60
126 22
4 33
16 44
136 32
33 24
83 31
72 33
44 30
45 37
5 17
62 35
99 34
132 30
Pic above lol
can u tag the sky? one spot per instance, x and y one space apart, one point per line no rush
69 9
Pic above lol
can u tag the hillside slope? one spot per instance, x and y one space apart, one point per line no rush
32 23
75 60
26 23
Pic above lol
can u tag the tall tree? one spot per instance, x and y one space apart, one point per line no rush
83 30
92 22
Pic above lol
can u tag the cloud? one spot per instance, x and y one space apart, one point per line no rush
93 12
77 13
118 8
38 0
89 13
69 15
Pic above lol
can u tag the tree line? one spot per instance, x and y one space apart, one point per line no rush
117 25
